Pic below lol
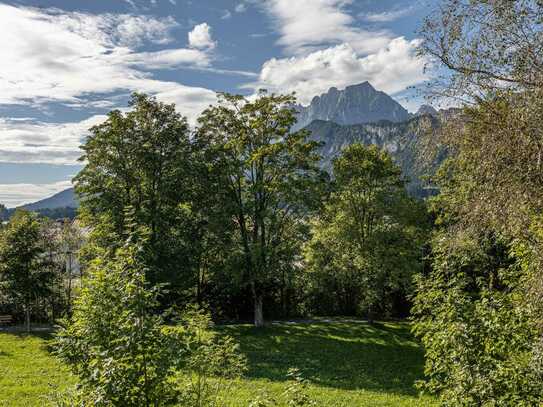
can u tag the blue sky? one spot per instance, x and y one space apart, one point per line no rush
65 63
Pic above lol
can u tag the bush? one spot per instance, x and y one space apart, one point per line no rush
114 342
208 362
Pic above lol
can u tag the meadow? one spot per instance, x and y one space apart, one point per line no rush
347 363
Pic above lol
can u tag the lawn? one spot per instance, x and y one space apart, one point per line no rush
347 364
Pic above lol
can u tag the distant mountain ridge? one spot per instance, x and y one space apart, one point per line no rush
355 104
63 199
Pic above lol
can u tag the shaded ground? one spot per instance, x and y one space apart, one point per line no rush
348 363
343 355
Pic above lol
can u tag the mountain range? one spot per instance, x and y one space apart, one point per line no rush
358 113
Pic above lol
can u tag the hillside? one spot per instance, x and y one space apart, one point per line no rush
401 140
63 199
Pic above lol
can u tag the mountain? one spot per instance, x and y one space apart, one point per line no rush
354 105
64 199
401 140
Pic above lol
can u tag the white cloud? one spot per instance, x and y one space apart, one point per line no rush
47 55
200 37
387 16
39 142
328 49
241 8
30 141
13 195
391 69
170 58
173 2
308 25
226 15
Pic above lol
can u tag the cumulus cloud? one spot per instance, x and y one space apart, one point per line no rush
391 69
200 37
48 56
14 195
327 49
305 26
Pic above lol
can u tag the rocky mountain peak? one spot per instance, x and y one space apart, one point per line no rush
355 104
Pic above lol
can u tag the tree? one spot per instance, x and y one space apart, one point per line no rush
266 175
141 159
115 342
479 310
484 46
367 243
26 272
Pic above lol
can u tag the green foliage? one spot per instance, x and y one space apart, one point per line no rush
26 269
478 311
209 363
114 342
267 176
476 325
141 160
295 394
296 391
367 243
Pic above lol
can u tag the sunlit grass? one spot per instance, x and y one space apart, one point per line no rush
347 364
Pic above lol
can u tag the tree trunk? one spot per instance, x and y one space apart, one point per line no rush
259 315
69 283
27 318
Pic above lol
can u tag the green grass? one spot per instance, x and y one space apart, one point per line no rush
347 364
28 372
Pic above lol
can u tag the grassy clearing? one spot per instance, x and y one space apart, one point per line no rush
28 372
348 364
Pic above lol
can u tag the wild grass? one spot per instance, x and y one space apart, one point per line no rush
346 363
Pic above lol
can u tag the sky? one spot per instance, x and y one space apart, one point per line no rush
64 64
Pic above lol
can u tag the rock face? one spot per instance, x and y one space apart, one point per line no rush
354 105
401 140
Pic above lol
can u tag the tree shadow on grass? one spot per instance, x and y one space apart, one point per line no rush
382 357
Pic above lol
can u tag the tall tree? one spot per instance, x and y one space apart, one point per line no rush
26 272
141 160
479 310
267 175
367 242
